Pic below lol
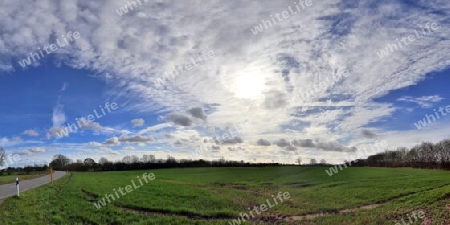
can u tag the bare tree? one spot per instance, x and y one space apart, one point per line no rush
443 151
2 156
59 161
412 156
126 159
424 155
171 159
145 158
103 161
299 161
89 162
152 158
313 161
429 155
134 159
323 161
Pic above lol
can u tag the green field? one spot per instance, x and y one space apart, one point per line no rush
219 195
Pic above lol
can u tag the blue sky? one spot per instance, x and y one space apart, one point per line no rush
311 85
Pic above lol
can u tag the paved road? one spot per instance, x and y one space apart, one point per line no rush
8 190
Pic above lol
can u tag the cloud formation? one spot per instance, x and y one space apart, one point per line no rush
138 122
32 151
31 133
197 112
368 134
255 78
180 119
424 101
263 142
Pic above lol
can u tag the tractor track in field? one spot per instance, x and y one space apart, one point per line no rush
311 216
91 197
190 215
161 212
273 218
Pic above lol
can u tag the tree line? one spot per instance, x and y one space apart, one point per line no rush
133 162
425 155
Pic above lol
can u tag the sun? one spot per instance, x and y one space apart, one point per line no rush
249 86
245 81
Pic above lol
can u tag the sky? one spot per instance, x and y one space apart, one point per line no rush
259 81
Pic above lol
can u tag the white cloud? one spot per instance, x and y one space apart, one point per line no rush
58 118
57 132
129 148
31 151
155 128
31 133
108 150
136 139
138 122
91 126
93 143
37 149
424 101
277 63
5 142
129 139
112 141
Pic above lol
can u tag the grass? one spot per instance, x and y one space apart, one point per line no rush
7 179
218 195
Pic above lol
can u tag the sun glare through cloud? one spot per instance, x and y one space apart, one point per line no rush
111 85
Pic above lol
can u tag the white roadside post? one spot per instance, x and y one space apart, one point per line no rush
17 185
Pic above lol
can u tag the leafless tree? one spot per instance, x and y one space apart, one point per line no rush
103 161
145 158
59 161
134 159
425 155
89 162
152 158
2 156
126 159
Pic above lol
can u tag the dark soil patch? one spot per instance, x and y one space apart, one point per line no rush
193 216
310 216
89 196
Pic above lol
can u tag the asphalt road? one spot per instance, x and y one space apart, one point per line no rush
8 190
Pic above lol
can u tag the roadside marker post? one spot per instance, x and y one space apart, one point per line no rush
17 185
51 175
